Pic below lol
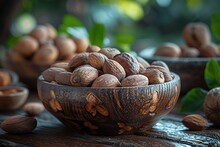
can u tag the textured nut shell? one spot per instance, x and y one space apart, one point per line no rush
195 122
63 78
26 46
49 74
196 34
51 31
96 60
166 73
211 106
16 56
93 48
81 44
209 50
65 46
64 65
135 80
106 80
168 50
114 68
110 52
188 51
78 60
143 62
142 69
83 76
33 108
160 63
128 62
40 33
154 76
47 54
5 78
19 124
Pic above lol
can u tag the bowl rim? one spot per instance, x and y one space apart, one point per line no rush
174 80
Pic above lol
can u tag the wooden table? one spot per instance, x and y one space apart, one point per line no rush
167 132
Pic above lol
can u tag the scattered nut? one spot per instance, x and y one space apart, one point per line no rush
33 108
195 122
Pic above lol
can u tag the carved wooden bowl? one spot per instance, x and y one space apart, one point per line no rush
109 111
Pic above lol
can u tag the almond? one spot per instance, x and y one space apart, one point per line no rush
97 60
166 73
195 122
106 80
33 108
78 60
154 75
135 80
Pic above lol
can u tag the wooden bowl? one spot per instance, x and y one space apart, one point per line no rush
190 70
109 111
12 101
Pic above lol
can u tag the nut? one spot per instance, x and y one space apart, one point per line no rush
19 124
5 78
40 33
154 75
128 62
106 80
49 74
93 48
47 54
51 31
33 108
26 46
143 62
114 68
212 106
63 78
166 73
142 69
209 50
63 65
78 60
15 56
109 52
65 46
160 63
168 50
196 34
81 44
188 51
195 122
83 76
135 80
96 60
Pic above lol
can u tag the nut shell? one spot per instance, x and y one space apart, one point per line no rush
64 65
63 78
106 80
51 31
166 73
81 44
195 122
40 33
143 62
78 60
168 50
110 52
135 80
209 50
33 108
96 60
154 76
188 51
49 74
93 48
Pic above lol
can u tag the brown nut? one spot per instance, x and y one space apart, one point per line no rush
46 55
51 31
114 68
195 122
109 52
83 76
154 76
106 80
26 46
135 80
19 124
168 50
209 50
65 46
93 48
14 56
64 65
188 51
33 108
166 73
196 34
49 74
161 63
40 33
63 78
128 62
212 106
143 62
142 69
96 60
78 60
81 44
5 78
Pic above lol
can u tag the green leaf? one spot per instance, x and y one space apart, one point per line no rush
11 41
124 41
193 100
212 73
97 34
215 25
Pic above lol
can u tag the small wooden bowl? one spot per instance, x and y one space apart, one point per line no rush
109 111
13 101
190 70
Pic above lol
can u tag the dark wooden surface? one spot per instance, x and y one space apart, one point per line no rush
167 132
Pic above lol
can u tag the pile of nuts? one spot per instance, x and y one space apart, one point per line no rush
107 67
198 43
42 46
